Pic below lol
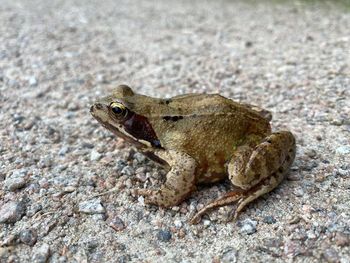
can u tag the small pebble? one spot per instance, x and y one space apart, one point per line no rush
206 222
16 180
128 183
117 223
269 220
62 259
182 233
14 183
164 235
2 175
178 223
13 83
28 237
342 239
128 170
248 44
331 256
93 206
120 165
95 155
69 189
101 78
291 248
294 220
33 209
141 200
139 157
123 258
11 212
292 176
229 255
311 234
342 150
32 81
337 122
342 173
309 166
41 254
87 145
63 151
141 176
299 192
311 153
175 208
248 226
45 162
99 217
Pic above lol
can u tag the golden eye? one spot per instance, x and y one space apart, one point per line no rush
118 108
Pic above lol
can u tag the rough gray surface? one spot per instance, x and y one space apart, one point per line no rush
56 58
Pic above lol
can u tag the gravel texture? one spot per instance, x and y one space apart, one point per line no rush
56 57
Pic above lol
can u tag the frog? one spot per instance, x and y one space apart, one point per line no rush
200 139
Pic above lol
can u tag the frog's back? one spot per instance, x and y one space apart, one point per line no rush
201 104
205 124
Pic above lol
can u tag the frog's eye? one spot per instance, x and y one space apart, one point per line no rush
118 109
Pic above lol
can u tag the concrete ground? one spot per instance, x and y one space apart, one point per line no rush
57 57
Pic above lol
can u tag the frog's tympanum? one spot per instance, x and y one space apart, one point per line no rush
200 138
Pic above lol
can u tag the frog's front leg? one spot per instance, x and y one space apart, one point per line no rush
180 180
256 171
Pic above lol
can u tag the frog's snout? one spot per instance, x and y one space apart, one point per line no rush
97 106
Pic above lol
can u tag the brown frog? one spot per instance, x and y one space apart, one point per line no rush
200 138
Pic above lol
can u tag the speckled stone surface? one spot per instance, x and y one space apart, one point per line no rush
56 58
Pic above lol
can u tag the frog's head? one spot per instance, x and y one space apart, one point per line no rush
119 114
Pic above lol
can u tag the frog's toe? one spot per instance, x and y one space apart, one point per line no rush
195 219
227 199
148 195
142 192
151 197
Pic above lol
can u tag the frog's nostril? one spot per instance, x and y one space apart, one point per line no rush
98 106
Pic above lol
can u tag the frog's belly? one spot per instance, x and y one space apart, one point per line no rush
207 173
211 177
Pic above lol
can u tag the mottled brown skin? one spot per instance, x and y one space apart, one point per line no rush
202 138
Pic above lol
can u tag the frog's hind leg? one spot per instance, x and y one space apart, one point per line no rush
180 180
256 170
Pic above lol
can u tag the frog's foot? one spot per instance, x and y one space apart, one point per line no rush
256 170
242 198
142 192
180 181
227 199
